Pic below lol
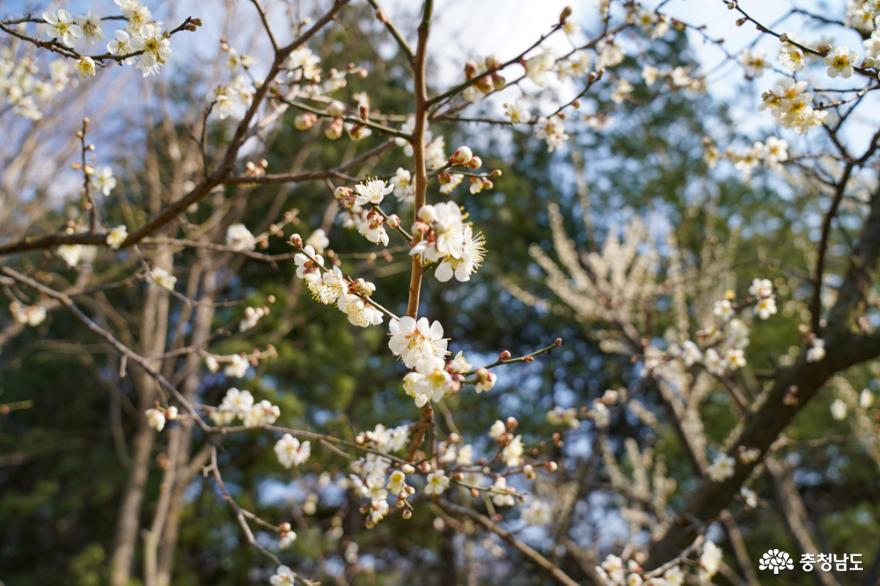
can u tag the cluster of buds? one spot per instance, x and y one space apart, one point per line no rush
485 380
487 78
257 169
464 157
157 416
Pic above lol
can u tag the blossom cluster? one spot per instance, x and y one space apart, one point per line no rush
241 405
614 572
142 40
373 478
450 241
725 342
331 286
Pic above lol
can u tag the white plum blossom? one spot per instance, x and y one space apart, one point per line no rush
90 24
472 253
372 191
156 48
485 380
291 452
252 315
163 278
437 483
502 495
612 570
610 54
418 343
840 62
765 307
721 468
538 512
85 67
552 131
690 353
283 576
513 452
792 58
517 112
262 413
713 362
156 419
121 44
318 240
816 351
791 105
103 180
237 402
239 238
372 227
360 313
62 27
136 14
116 236
308 264
31 315
560 416
403 185
431 386
723 309
287 539
838 410
447 224
237 367
600 414
710 561
397 483
775 152
305 64
735 358
538 66
754 63
497 430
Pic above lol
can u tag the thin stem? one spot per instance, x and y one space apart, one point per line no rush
418 143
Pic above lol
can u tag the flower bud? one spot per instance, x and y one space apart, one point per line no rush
427 214
305 120
563 16
336 109
462 156
334 129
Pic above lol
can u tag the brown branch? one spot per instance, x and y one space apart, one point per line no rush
418 143
533 555
109 338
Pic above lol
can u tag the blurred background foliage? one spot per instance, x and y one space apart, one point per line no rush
62 469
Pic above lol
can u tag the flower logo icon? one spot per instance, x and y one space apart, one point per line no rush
776 560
